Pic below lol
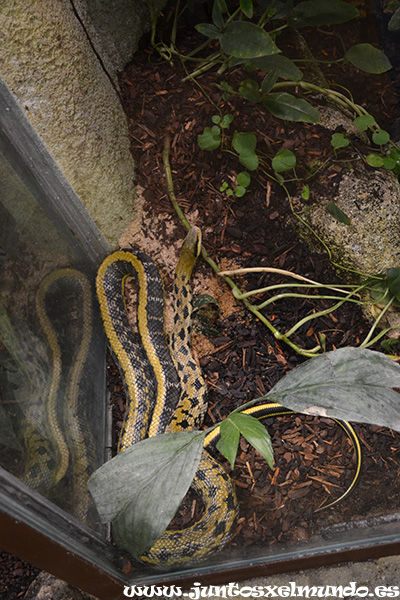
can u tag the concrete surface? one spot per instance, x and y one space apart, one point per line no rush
48 63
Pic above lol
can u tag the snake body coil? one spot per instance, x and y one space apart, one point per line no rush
152 385
163 397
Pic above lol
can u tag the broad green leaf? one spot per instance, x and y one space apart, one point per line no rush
338 214
252 430
269 81
284 160
380 137
249 89
243 39
249 160
290 108
208 30
394 23
323 12
339 141
244 142
354 384
243 178
203 300
143 486
285 67
210 139
216 16
229 441
368 58
389 163
240 191
363 122
246 6
374 160
393 279
255 433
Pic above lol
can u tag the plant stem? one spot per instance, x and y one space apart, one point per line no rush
320 313
367 341
214 266
279 272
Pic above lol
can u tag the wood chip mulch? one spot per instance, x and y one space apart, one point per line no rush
314 460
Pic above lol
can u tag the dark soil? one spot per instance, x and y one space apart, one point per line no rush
314 460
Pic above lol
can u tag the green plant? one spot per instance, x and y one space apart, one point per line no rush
243 180
152 476
349 383
339 294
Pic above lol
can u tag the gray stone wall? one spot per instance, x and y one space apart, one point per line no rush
51 67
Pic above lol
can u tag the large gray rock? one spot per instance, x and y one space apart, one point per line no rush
47 587
49 64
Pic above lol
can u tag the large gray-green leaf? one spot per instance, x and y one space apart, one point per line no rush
368 59
323 12
394 23
286 68
243 39
144 485
353 384
290 108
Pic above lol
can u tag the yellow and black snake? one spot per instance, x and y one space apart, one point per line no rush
55 436
166 391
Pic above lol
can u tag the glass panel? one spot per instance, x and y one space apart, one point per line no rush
52 398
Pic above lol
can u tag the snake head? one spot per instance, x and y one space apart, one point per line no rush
190 251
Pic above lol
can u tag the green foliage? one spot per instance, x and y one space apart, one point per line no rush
284 160
374 160
385 288
253 431
394 23
339 141
285 68
338 214
353 384
367 58
245 146
210 139
249 89
243 180
305 192
380 137
140 489
242 39
323 12
364 122
290 108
